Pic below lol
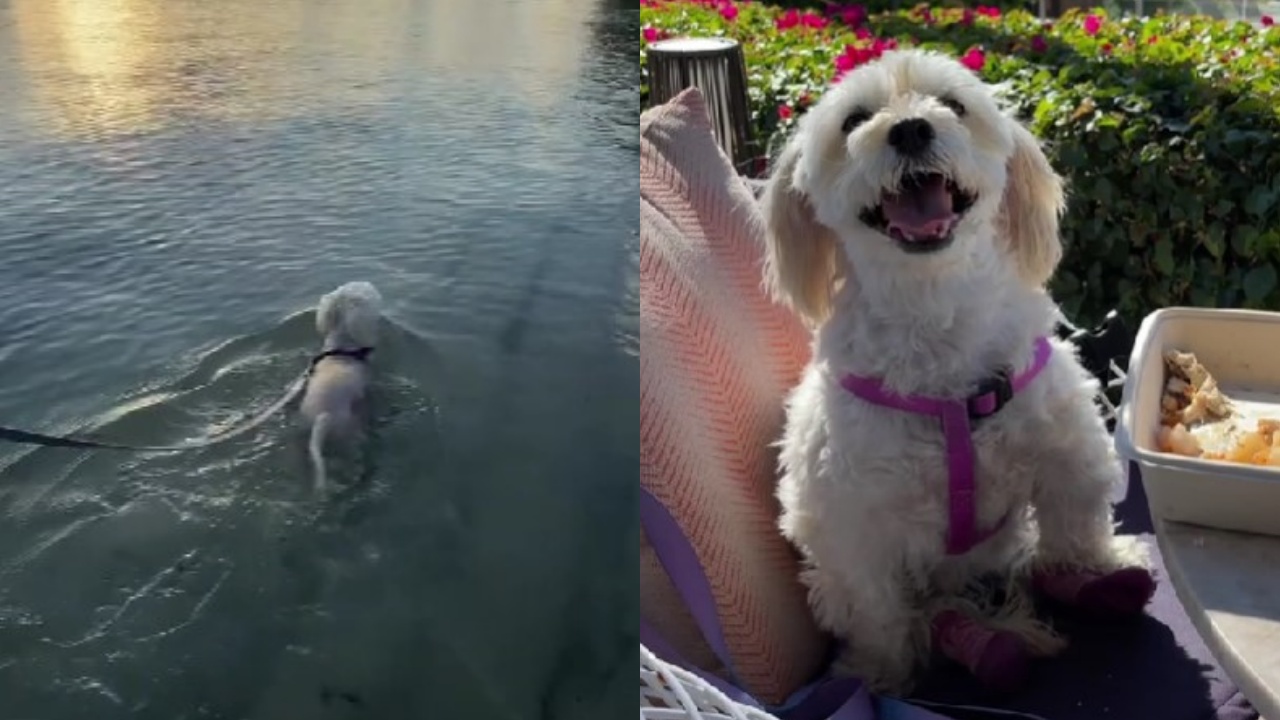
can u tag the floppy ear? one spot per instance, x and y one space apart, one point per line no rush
1034 200
326 313
800 261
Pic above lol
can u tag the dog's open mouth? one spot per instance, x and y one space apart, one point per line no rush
922 214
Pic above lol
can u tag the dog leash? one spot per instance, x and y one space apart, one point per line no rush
26 437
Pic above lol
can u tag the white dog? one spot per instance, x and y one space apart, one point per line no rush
334 402
937 438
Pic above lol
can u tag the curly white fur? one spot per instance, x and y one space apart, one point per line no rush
335 399
350 314
864 488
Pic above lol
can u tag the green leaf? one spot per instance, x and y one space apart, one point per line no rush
1202 297
1213 240
1259 282
1163 257
1267 244
1102 191
1242 240
1259 201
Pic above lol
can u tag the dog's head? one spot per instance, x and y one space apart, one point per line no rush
906 166
351 313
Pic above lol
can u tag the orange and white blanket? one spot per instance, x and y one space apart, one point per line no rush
717 358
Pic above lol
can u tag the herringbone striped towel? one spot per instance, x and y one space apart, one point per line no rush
716 360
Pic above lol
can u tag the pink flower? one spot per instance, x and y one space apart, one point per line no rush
1267 21
813 21
729 12
1092 24
846 61
853 56
854 17
787 20
1039 44
991 12
975 59
851 15
784 113
653 35
649 3
793 17
862 33
966 19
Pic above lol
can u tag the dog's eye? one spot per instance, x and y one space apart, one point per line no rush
854 119
956 106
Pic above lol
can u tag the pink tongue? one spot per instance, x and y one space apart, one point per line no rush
921 212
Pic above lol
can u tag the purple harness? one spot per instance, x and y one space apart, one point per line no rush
956 417
830 697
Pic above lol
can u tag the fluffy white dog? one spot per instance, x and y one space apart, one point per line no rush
939 437
334 402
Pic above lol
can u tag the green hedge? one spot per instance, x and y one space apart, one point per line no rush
1167 129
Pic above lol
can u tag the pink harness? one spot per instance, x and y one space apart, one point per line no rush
956 416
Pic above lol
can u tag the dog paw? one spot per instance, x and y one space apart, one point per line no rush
998 659
1118 593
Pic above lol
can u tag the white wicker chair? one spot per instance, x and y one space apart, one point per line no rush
671 693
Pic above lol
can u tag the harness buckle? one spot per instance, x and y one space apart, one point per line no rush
993 393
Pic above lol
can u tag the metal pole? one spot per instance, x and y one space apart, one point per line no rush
717 68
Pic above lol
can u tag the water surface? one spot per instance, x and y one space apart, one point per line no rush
179 181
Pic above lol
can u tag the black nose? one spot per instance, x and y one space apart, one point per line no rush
912 136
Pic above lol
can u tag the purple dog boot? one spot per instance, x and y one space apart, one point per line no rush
1118 593
998 659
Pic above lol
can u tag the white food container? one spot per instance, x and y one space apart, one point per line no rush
1239 348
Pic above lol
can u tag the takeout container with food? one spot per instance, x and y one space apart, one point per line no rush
1200 416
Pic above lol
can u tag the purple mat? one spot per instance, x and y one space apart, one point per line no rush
1155 668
